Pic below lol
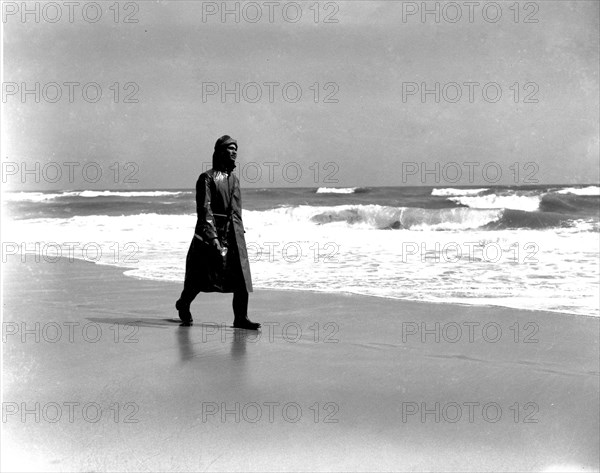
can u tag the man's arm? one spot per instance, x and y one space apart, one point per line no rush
236 205
206 220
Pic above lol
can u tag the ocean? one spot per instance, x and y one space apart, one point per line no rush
533 247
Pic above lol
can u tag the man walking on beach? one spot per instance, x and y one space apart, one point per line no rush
217 260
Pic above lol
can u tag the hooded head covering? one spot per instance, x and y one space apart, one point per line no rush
221 144
224 142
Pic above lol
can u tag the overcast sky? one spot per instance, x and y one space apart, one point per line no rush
372 133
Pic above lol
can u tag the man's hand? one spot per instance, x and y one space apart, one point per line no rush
221 249
217 245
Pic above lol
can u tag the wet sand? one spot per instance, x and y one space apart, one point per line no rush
111 381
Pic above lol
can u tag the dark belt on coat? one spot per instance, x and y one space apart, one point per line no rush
215 215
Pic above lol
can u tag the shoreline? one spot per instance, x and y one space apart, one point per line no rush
346 293
124 269
363 361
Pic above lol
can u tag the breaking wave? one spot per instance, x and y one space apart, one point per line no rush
449 192
341 190
48 196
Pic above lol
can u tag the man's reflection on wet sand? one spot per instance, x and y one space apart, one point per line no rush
240 338
191 341
186 348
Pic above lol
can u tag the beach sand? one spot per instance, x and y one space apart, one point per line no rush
332 400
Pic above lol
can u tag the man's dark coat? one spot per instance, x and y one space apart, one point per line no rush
219 207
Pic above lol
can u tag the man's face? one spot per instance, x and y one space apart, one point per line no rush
231 153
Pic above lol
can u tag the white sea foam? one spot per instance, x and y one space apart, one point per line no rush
493 201
533 269
336 190
34 196
128 193
456 192
45 196
590 190
375 217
